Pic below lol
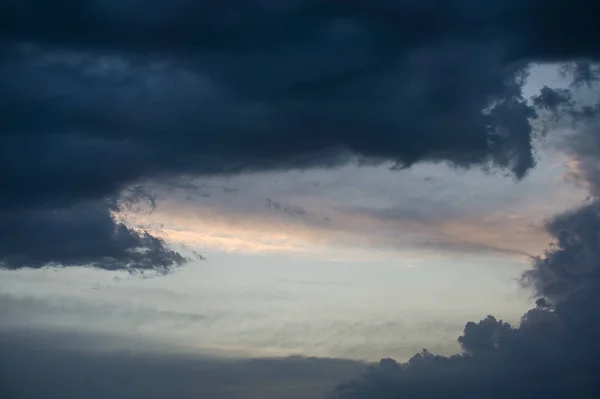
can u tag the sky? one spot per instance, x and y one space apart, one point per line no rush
250 199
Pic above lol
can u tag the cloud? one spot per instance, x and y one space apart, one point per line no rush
101 95
84 234
554 351
570 265
372 212
185 25
552 354
290 209
455 229
55 364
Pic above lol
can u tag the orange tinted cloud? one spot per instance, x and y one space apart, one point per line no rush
347 236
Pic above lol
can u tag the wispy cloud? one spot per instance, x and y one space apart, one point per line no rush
336 216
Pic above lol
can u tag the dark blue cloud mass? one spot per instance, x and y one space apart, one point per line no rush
555 351
99 95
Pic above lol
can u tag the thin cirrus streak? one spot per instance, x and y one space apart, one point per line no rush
517 236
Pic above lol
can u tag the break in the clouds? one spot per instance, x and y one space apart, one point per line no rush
356 212
97 96
554 352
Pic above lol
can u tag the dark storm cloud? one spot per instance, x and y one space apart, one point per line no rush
571 266
582 117
80 235
582 73
72 366
555 351
98 95
553 29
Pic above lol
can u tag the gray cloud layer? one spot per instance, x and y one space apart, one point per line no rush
72 366
99 95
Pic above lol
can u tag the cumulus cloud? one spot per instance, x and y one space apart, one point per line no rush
554 351
101 95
